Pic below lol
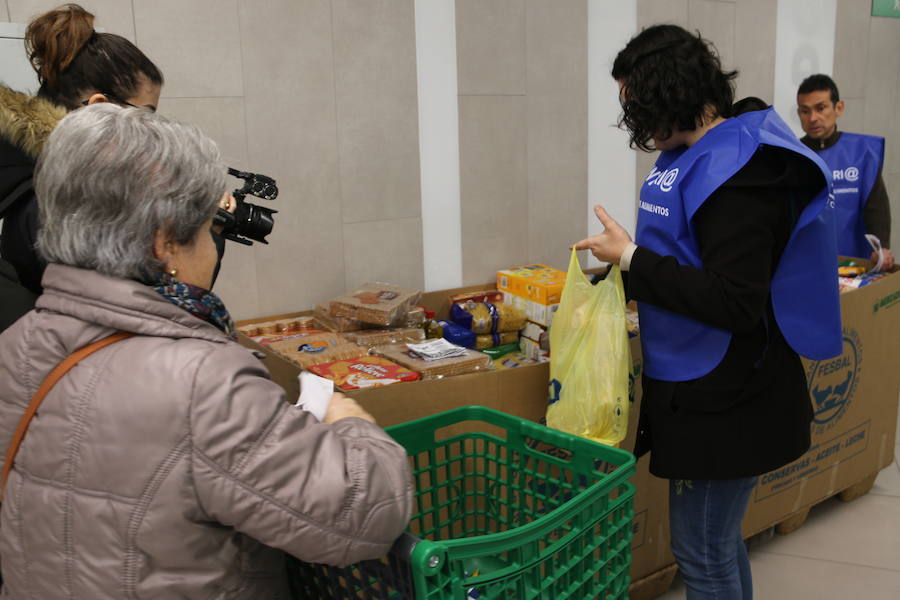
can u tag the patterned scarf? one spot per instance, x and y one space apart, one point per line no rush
201 303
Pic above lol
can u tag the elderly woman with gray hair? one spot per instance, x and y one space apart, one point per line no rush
167 464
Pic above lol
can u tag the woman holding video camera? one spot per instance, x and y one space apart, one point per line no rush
166 464
76 66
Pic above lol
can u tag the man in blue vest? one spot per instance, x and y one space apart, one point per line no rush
855 161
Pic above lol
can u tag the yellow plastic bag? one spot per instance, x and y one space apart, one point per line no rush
589 358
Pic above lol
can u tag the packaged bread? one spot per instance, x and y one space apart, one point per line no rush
311 343
325 320
307 359
369 338
314 349
376 303
281 326
488 317
364 372
268 340
415 317
467 362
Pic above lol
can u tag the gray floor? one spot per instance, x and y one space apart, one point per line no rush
846 551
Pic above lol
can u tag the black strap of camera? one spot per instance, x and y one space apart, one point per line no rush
18 192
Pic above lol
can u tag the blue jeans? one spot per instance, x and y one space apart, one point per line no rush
705 524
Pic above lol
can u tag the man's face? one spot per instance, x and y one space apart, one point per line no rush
818 114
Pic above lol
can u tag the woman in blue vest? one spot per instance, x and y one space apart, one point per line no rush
733 270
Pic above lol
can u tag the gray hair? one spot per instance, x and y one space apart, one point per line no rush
109 178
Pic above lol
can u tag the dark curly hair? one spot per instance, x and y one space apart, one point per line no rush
820 83
671 78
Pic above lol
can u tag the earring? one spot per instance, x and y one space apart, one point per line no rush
173 271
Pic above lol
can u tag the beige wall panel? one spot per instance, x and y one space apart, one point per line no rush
645 162
222 119
493 184
850 48
754 48
892 182
715 21
557 129
115 16
882 74
291 136
490 42
651 12
377 110
854 117
196 44
388 251
4 12
893 134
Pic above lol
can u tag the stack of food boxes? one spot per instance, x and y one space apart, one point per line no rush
536 290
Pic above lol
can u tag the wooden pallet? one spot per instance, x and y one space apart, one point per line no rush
796 520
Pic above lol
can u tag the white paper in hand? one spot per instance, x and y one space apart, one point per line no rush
315 394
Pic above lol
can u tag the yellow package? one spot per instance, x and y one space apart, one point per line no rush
538 283
590 358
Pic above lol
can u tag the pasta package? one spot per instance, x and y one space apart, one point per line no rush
376 303
492 340
468 362
488 317
364 372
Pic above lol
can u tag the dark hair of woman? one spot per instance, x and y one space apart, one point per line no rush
71 59
671 80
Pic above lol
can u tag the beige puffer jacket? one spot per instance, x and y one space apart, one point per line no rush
168 465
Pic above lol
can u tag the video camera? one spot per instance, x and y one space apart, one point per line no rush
249 222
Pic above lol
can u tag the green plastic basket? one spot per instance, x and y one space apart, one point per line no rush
505 508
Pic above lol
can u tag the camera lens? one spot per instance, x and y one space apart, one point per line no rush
254 222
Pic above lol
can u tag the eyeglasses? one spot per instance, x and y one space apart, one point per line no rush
115 100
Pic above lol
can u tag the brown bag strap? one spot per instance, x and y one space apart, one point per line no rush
54 376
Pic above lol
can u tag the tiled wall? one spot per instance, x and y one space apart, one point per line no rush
523 132
321 95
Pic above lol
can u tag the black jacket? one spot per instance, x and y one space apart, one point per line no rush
751 413
25 123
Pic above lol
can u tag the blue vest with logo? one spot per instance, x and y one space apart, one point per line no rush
804 286
855 161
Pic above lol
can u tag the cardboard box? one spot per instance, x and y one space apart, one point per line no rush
533 331
537 283
521 391
855 402
853 436
542 314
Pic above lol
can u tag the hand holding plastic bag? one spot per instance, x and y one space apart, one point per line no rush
590 358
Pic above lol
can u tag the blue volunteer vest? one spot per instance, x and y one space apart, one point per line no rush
855 161
804 286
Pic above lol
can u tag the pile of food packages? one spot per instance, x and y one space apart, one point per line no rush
852 275
379 334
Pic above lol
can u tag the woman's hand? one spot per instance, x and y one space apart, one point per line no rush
227 202
342 407
608 245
